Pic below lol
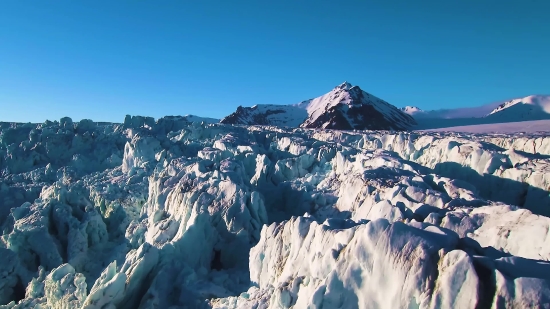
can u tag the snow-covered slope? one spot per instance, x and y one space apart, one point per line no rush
453 113
346 107
179 214
535 107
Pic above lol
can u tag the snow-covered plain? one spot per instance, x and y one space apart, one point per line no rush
179 214
533 126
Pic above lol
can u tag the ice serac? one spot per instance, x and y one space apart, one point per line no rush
9 280
504 228
338 264
173 213
346 107
36 155
511 176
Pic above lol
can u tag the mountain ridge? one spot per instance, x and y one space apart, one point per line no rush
345 107
529 108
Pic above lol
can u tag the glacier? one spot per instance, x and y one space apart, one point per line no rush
185 213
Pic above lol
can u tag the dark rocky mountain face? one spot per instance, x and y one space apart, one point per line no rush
362 112
364 117
236 117
273 115
346 107
250 116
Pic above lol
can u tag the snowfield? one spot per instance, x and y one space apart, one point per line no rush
179 214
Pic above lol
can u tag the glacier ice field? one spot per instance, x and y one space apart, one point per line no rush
174 214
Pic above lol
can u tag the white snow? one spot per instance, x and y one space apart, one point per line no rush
452 113
532 126
530 108
173 213
316 107
535 107
194 118
543 102
412 110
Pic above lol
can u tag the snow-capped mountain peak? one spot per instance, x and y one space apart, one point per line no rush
349 107
339 95
345 107
345 86
539 103
411 110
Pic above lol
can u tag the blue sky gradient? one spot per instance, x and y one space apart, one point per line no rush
105 59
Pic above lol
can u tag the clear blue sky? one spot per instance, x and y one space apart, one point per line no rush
105 59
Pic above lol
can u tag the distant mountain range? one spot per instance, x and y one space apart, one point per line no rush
348 107
534 107
345 107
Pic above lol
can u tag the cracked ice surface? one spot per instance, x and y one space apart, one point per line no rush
174 214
